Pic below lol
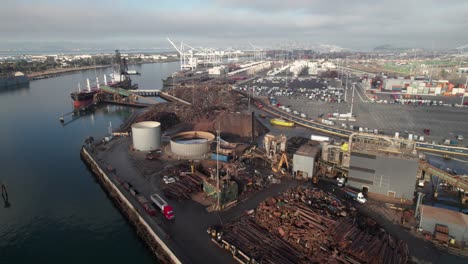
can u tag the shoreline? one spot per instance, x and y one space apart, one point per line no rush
59 71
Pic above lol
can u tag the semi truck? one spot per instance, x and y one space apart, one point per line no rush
355 195
165 208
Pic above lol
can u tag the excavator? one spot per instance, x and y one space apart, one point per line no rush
279 167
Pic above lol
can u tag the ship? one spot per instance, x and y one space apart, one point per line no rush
281 122
83 99
186 77
16 79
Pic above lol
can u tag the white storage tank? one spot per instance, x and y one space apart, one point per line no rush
146 135
191 143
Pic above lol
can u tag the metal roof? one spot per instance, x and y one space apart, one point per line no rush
444 216
308 150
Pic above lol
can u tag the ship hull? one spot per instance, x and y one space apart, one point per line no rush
17 81
281 122
83 99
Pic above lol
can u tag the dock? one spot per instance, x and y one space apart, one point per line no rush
153 237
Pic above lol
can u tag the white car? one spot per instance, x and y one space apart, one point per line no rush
168 180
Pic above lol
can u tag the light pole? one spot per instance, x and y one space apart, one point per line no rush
346 89
217 169
352 102
464 91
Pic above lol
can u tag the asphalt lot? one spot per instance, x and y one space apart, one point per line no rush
444 122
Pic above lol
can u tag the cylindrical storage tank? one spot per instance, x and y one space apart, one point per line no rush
191 143
146 135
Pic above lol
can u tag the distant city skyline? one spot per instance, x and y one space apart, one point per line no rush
125 24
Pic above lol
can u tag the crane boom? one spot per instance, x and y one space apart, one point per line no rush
175 47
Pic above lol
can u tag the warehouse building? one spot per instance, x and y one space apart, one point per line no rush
444 224
304 160
387 175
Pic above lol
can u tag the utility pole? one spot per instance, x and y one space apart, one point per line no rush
217 169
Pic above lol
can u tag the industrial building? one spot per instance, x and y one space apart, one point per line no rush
444 224
304 161
383 166
388 176
146 136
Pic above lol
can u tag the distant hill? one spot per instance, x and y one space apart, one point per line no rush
388 47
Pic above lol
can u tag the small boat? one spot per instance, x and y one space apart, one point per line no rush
281 122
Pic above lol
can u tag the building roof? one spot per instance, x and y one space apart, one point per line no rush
308 150
444 216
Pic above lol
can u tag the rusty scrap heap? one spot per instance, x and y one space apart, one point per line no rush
318 227
186 184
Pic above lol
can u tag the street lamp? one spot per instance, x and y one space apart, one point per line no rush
352 102
464 90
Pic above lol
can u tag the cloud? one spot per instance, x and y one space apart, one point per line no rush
361 24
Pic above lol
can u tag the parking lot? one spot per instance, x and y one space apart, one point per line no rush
443 120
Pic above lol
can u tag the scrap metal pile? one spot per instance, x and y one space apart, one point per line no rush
318 227
207 101
186 184
248 241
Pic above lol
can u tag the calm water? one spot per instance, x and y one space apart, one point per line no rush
59 213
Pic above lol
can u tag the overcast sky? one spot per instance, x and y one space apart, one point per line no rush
357 25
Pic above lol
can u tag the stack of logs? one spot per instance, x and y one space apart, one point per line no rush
181 189
321 228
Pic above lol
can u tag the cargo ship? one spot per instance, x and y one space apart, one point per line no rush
82 99
14 80
281 122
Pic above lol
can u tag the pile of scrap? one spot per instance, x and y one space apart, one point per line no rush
248 241
317 225
363 245
186 184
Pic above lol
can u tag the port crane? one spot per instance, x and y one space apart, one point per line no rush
186 52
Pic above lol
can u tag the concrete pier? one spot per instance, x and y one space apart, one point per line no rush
156 244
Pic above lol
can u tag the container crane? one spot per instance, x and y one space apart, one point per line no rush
187 59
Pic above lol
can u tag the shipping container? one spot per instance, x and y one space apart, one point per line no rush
222 158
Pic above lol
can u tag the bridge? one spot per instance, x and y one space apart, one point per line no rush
345 133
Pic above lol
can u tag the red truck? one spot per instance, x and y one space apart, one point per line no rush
166 209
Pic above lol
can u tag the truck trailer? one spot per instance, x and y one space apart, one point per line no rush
165 208
355 195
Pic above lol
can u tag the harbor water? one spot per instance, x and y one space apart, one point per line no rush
58 212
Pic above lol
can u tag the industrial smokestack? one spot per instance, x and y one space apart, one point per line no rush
88 85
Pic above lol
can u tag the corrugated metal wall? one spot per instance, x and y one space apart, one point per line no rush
303 163
383 174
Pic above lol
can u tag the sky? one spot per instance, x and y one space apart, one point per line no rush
352 24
